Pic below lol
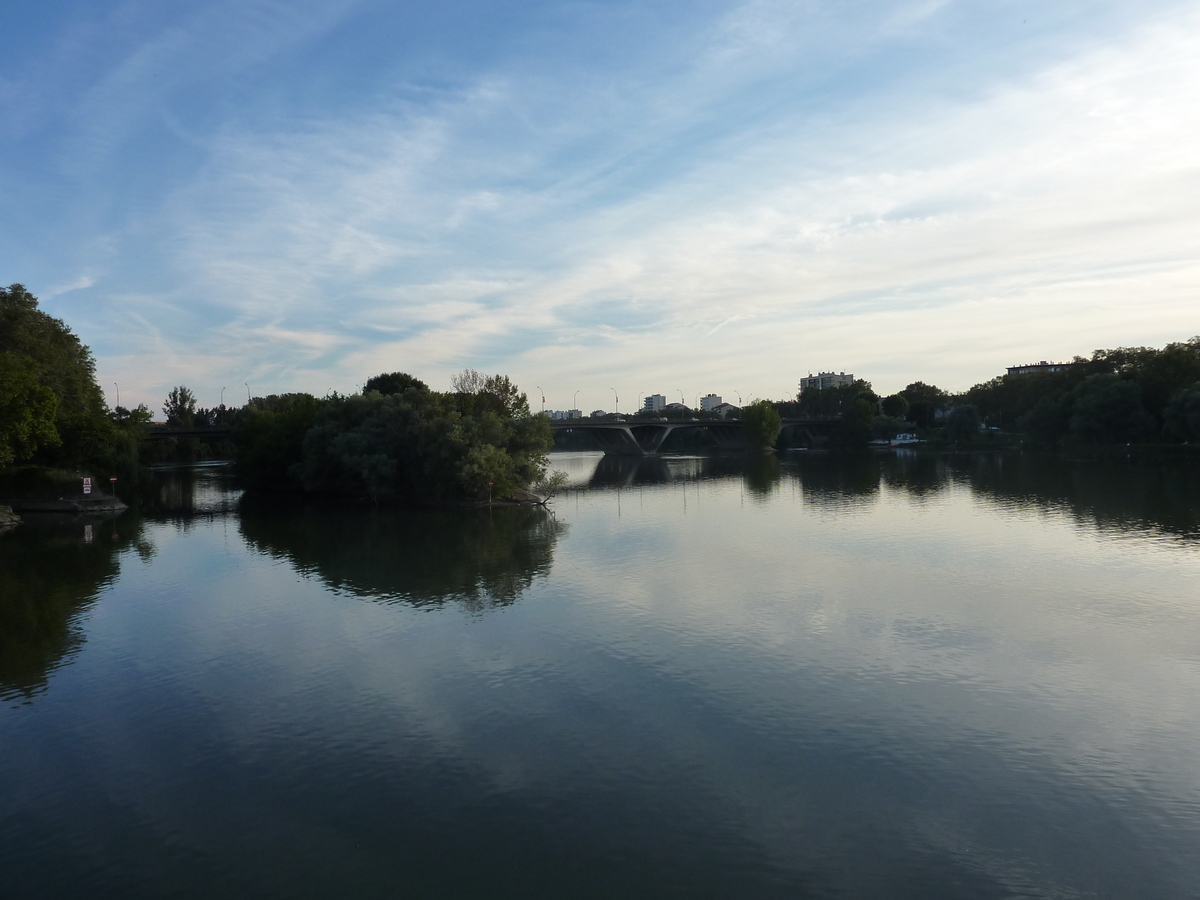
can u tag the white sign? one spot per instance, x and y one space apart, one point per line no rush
87 485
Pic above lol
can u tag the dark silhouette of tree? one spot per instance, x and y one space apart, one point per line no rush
1183 415
895 406
962 424
27 410
394 383
762 424
62 364
180 407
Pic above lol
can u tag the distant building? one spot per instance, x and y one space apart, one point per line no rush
709 402
676 407
824 381
565 414
598 414
654 403
1038 368
726 409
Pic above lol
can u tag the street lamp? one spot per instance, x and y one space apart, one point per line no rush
575 401
616 399
118 387
543 393
222 398
248 400
682 404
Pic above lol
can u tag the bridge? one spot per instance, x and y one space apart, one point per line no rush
636 437
642 438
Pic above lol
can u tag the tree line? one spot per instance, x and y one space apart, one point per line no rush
398 440
1125 395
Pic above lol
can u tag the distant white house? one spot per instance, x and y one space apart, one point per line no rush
824 381
726 409
565 414
598 413
709 402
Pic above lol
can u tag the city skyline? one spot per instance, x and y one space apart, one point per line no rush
720 194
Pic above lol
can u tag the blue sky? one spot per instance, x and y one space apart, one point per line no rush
652 197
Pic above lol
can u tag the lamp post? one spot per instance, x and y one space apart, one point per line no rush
118 387
617 400
575 401
222 398
543 396
248 400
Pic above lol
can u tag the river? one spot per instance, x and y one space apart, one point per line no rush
888 676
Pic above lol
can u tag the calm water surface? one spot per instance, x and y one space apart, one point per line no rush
900 676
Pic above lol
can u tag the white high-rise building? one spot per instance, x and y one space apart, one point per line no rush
824 380
709 402
654 403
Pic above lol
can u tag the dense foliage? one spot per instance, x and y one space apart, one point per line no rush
762 423
1130 394
47 371
411 444
27 410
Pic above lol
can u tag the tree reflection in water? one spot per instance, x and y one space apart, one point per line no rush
763 473
838 480
479 558
1117 494
52 569
1161 496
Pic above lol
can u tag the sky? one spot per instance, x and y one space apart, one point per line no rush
609 198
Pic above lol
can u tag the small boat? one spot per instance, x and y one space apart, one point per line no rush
904 440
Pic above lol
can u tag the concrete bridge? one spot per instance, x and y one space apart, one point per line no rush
635 437
638 437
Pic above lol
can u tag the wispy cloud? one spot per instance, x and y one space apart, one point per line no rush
777 187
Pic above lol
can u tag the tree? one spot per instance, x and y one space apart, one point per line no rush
920 392
962 423
1183 415
468 381
394 383
180 407
1108 409
762 424
856 423
27 410
895 406
270 440
834 401
64 365
424 445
